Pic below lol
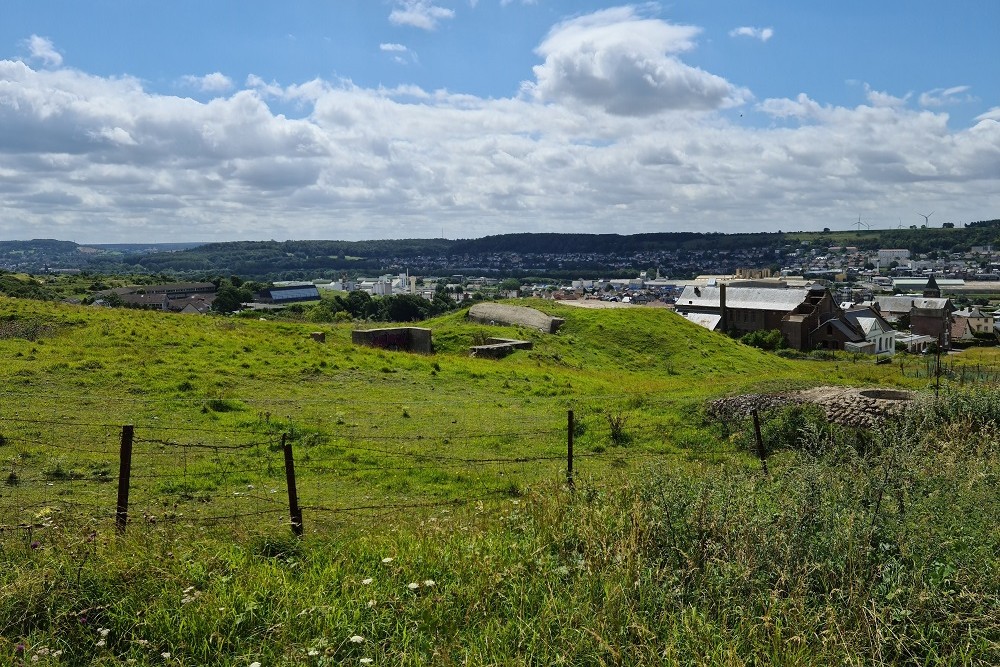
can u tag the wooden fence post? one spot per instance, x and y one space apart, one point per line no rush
294 511
124 475
569 450
761 452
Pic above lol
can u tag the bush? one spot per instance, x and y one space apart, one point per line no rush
770 340
794 427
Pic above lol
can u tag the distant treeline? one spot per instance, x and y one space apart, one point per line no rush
275 260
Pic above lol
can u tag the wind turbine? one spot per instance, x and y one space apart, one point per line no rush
927 218
859 224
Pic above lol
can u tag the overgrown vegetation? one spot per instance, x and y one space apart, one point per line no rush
769 340
873 547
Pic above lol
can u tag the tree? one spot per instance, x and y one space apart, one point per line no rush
406 308
229 299
510 285
359 304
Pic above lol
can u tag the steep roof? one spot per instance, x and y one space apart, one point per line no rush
903 304
748 298
868 320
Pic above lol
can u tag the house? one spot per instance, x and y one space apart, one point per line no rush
929 314
879 338
961 332
977 321
741 308
171 297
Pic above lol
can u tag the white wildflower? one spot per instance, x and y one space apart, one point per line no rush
357 639
367 581
371 603
387 559
366 661
103 632
312 651
255 664
413 585
429 582
102 643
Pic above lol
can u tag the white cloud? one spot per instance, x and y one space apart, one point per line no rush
104 159
623 63
42 49
763 34
400 53
263 88
940 97
215 82
421 14
880 98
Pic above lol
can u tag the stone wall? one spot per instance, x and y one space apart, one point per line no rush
405 339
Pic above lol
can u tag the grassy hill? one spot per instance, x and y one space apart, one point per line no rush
438 525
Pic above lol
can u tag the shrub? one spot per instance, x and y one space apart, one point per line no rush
770 340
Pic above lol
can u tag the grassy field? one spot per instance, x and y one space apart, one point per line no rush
871 548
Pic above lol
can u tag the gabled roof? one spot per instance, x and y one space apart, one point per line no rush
960 329
905 303
867 320
844 326
970 312
747 298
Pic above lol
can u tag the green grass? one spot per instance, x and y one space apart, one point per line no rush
674 548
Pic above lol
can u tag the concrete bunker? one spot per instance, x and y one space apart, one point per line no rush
498 348
495 313
403 339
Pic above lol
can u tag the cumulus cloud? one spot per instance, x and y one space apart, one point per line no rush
763 34
42 49
626 64
215 82
104 159
421 14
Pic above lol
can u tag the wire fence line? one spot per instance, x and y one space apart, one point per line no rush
64 472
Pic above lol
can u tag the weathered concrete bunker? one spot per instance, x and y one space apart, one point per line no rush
494 313
498 348
404 339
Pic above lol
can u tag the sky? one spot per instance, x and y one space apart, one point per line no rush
139 121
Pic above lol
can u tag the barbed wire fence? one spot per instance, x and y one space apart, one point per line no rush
93 475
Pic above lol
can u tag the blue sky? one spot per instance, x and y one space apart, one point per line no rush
350 119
